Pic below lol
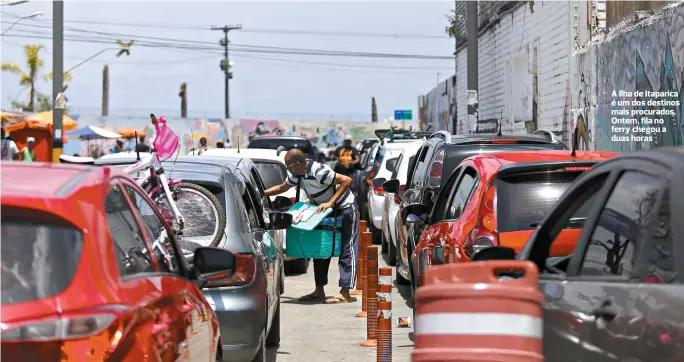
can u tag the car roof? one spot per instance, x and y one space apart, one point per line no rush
469 138
280 137
50 180
403 144
264 154
123 155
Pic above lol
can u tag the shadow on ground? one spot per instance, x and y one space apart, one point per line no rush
272 354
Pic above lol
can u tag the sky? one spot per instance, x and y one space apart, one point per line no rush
265 85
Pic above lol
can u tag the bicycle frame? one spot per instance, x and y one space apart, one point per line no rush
152 162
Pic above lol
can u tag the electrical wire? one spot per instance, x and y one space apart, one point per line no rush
254 48
257 30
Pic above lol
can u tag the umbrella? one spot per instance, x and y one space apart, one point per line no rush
46 117
94 133
8 117
129 132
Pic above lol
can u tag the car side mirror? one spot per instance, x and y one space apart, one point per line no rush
391 186
494 253
212 264
377 182
413 213
280 220
282 203
279 150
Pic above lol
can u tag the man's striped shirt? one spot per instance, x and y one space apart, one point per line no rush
318 182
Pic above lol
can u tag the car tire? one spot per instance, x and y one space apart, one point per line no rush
273 338
261 353
392 255
383 245
375 234
400 279
298 266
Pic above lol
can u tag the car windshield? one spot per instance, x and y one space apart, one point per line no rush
38 259
523 200
271 173
272 143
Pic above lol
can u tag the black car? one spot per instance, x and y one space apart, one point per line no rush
248 309
620 291
430 170
288 142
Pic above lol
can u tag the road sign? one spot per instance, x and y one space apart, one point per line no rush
406 115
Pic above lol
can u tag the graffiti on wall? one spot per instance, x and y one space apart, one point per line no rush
644 58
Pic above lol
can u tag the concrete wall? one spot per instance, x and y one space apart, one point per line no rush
616 11
539 34
647 54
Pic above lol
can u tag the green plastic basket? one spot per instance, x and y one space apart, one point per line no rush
317 243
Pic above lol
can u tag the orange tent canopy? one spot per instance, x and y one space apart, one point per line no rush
8 117
69 123
129 132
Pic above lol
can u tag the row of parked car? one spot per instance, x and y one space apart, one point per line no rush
79 279
600 226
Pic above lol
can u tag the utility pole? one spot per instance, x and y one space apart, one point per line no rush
225 63
454 116
183 94
57 78
472 43
105 91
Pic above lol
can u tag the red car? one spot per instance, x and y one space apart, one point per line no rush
91 272
498 200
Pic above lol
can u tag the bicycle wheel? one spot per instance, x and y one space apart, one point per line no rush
203 215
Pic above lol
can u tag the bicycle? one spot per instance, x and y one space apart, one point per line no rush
166 192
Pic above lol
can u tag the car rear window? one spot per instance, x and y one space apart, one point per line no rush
272 143
38 259
523 200
272 174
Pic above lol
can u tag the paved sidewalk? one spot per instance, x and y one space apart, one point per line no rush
331 333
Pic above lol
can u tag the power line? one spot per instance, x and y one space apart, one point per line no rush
264 31
261 48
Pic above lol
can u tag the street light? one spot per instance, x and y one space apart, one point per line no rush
15 2
34 15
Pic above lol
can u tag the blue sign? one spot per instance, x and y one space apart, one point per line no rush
398 115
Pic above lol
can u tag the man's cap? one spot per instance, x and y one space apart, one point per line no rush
30 139
348 137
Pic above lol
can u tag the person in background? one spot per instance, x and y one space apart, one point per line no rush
10 151
118 147
328 190
219 144
347 157
28 153
142 146
203 145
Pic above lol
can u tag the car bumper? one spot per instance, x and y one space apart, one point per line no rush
375 209
242 317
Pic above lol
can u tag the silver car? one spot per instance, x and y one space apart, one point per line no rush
247 305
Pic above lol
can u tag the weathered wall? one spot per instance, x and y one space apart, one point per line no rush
616 11
539 32
643 55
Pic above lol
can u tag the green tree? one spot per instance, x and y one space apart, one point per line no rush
28 78
450 29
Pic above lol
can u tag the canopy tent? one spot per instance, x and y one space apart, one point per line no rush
9 118
42 133
46 117
94 133
130 132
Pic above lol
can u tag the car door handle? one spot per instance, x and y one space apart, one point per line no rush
606 311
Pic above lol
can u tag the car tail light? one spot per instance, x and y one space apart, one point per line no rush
95 333
245 269
372 173
436 169
294 200
379 190
484 235
402 188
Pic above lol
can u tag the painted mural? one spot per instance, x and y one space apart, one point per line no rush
440 107
645 57
229 131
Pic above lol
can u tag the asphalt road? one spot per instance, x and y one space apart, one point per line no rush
332 333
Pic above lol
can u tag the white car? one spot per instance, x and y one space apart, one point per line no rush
376 195
391 203
273 172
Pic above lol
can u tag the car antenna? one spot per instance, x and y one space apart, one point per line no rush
575 142
192 140
137 151
238 143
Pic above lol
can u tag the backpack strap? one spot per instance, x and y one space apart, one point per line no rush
299 187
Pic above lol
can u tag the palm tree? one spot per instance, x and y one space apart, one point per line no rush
29 78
